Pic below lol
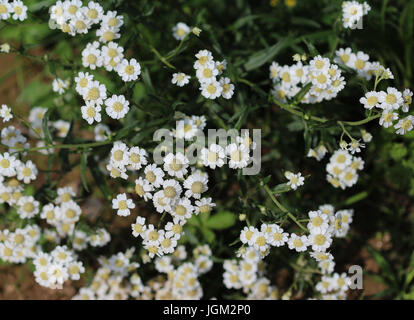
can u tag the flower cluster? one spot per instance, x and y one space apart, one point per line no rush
15 9
360 63
5 113
352 13
325 80
54 268
342 169
73 18
207 71
389 103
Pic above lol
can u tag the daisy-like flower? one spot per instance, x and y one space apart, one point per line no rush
75 268
59 86
387 118
122 205
203 57
180 79
101 132
171 189
28 207
341 158
69 212
408 99
7 165
213 156
295 179
113 20
137 158
62 128
195 184
143 188
167 244
298 243
119 154
27 171
320 240
95 93
107 34
276 237
82 80
49 213
116 172
204 205
176 165
112 55
373 99
247 235
180 31
359 61
154 175
207 73
355 146
5 113
318 221
139 227
405 125
185 129
274 70
161 202
227 88
321 256
19 10
80 240
65 195
91 112
117 107
393 99
57 273
5 9
174 229
129 70
238 156
80 24
93 11
259 241
320 64
91 56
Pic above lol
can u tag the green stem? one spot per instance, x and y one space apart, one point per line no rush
163 60
281 207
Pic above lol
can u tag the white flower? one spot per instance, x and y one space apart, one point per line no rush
207 73
404 125
186 129
408 99
27 207
393 99
277 237
139 227
373 99
5 113
119 154
5 47
69 212
387 118
355 146
137 158
75 268
203 57
57 273
95 93
91 112
204 205
195 184
167 244
117 107
171 189
112 20
93 11
318 221
239 156
174 229
143 188
320 240
82 80
27 172
154 175
180 79
122 205
295 179
112 55
161 202
298 243
129 70
247 235
180 31
101 132
19 10
5 9
107 34
227 88
259 241
341 158
65 194
213 156
62 128
176 165
7 165
116 172
91 56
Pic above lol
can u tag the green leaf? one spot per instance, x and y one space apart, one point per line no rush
382 263
281 188
208 234
45 126
84 161
221 220
356 198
